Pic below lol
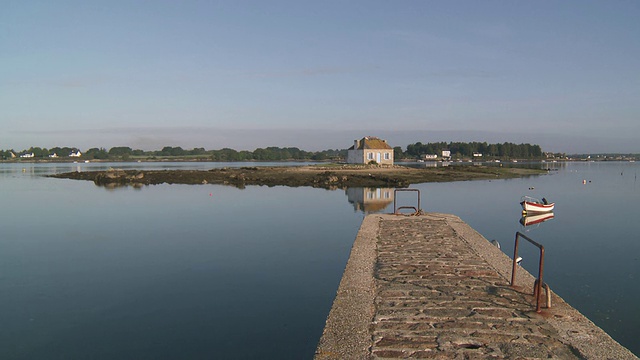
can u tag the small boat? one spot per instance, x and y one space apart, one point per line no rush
528 220
533 205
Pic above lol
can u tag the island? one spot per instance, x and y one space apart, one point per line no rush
332 176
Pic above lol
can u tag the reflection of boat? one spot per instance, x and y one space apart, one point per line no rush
529 220
533 205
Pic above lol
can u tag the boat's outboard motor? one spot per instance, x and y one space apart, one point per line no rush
544 201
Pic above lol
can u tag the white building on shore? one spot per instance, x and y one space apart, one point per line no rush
370 149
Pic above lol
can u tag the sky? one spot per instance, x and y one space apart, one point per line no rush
319 74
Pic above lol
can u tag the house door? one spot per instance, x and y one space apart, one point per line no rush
378 158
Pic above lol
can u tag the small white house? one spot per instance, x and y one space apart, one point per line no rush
370 149
477 155
75 153
54 155
27 155
431 157
446 153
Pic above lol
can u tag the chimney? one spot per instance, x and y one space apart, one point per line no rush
355 144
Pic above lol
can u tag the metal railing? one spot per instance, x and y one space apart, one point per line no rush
395 198
538 284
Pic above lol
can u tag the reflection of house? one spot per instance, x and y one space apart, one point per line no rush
370 149
370 199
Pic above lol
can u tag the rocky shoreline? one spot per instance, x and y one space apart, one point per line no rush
328 177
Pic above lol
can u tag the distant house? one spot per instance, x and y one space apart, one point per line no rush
75 153
54 155
477 155
12 154
430 157
27 155
370 149
446 153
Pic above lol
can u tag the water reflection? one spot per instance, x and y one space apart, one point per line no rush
533 221
275 270
121 186
369 200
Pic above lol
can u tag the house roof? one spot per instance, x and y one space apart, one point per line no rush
370 142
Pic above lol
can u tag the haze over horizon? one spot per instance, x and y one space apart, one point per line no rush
317 75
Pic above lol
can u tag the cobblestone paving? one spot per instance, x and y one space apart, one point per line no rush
437 299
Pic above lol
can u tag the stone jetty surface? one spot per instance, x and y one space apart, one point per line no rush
431 287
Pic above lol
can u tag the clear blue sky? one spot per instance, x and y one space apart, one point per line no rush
318 74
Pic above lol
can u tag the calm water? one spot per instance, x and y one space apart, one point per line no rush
207 271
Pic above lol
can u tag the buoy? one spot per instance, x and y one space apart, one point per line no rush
210 194
584 181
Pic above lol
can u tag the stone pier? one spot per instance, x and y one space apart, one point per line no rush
431 287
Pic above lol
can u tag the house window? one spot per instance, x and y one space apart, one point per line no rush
386 156
370 156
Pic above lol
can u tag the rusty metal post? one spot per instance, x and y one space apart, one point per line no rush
537 285
540 281
515 264
397 209
548 293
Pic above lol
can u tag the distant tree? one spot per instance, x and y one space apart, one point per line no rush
61 151
38 152
178 151
319 156
398 153
225 154
462 149
245 155
6 154
172 151
260 154
120 151
197 151
95 153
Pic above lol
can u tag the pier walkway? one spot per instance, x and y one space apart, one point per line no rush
431 287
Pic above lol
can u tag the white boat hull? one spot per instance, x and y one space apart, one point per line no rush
533 207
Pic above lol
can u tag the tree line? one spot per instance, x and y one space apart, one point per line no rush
416 151
125 153
468 149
